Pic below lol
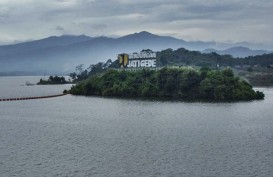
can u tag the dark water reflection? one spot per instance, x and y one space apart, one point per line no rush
92 136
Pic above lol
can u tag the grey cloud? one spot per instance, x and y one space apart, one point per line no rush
190 19
62 0
99 26
92 26
59 29
4 12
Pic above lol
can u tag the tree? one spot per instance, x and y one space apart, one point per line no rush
73 75
79 68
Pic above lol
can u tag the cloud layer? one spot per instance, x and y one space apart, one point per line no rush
205 20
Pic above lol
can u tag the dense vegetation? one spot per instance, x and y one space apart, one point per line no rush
182 83
53 80
184 57
82 74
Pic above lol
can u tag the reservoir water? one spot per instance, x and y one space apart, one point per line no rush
92 136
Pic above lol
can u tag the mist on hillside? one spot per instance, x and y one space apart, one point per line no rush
60 55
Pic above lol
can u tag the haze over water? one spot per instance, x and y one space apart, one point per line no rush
94 136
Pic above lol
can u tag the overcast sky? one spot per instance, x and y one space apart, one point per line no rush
191 20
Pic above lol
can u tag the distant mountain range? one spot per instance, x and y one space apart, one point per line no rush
239 52
59 55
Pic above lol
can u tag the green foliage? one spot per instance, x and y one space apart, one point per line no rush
96 68
182 83
80 74
180 57
186 57
53 80
249 69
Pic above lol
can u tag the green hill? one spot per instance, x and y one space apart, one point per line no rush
183 83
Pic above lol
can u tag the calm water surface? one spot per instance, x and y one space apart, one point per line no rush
13 87
93 136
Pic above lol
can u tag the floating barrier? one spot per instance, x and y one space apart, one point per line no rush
32 98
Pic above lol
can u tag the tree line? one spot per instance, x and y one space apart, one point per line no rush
184 83
180 57
186 57
53 80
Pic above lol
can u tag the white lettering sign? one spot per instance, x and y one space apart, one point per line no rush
142 63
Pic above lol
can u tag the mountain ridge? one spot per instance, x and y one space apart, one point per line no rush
57 54
239 52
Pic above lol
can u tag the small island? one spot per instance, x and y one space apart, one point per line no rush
182 83
53 80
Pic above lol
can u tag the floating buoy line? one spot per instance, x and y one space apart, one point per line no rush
31 98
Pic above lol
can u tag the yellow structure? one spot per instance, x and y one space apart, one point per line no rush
123 60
